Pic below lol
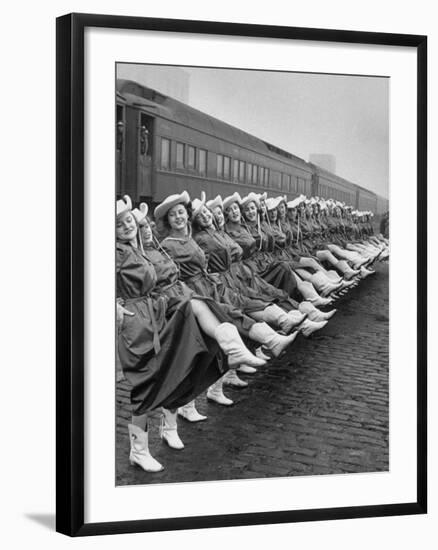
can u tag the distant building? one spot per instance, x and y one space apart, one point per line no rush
174 83
328 162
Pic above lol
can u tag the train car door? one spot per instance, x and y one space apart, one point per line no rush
145 152
120 149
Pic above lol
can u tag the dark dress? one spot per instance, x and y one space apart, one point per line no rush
276 272
219 252
192 264
164 355
249 268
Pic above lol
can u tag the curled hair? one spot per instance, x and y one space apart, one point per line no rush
165 219
162 225
196 227
224 210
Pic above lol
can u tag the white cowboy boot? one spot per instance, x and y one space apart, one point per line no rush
364 272
215 393
274 342
190 413
276 316
230 342
333 276
314 314
320 301
346 284
348 272
139 453
259 353
309 327
231 379
324 284
307 290
168 430
297 316
246 369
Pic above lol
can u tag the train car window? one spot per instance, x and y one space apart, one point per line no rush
285 182
202 162
191 157
220 166
227 167
180 149
165 154
235 170
276 179
241 170
255 171
248 172
294 184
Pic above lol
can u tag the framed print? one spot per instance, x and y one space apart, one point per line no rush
241 274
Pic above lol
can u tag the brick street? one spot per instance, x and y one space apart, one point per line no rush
320 409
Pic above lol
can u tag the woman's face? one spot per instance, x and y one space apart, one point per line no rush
282 210
292 214
147 232
205 218
302 208
233 212
126 228
219 216
263 207
272 214
250 211
177 217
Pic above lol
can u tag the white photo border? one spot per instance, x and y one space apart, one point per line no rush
104 501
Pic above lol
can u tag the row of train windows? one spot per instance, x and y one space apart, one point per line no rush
186 157
194 159
336 194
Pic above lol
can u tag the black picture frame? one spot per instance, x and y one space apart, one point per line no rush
70 273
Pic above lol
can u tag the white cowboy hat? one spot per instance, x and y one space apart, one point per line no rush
282 198
169 202
251 197
215 202
141 212
123 205
272 204
198 204
228 201
297 201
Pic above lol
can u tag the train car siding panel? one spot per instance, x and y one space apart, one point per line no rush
221 159
192 150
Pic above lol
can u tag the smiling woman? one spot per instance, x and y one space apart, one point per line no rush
333 373
166 339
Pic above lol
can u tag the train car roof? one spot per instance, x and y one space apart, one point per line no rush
167 107
324 172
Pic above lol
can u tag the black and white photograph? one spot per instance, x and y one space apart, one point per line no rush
252 274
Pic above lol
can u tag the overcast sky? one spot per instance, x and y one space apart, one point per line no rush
344 116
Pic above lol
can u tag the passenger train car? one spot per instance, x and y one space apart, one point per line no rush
164 146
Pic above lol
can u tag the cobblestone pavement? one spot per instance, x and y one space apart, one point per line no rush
321 409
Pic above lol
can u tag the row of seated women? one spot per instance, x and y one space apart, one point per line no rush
210 289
